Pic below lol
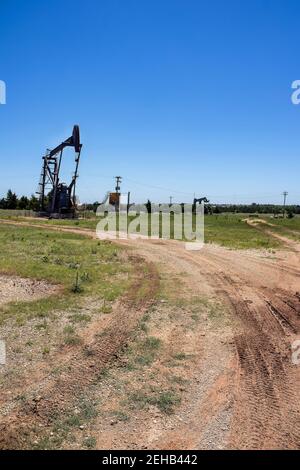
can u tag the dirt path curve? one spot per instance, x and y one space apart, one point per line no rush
262 225
262 292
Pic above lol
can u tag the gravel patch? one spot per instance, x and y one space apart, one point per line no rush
13 288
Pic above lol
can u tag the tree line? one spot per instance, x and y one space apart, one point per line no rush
256 208
12 202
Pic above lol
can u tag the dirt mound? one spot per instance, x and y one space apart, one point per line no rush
13 288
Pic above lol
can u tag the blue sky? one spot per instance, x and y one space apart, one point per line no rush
177 96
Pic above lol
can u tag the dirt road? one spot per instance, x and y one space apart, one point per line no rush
244 390
264 299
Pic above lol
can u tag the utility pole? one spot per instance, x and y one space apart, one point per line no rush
128 201
118 188
118 182
285 193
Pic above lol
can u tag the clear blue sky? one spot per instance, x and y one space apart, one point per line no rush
187 95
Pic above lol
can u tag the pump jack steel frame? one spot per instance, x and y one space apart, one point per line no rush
62 197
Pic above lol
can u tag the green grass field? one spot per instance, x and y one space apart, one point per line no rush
289 228
228 230
232 232
89 223
82 266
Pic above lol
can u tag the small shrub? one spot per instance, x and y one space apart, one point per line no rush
69 330
88 410
145 360
73 420
72 340
79 318
106 308
90 442
180 356
76 288
73 265
85 277
152 343
166 401
120 415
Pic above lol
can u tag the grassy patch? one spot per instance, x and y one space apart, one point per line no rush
164 400
72 340
81 266
106 308
79 318
232 232
289 228
89 442
177 379
120 415
181 356
145 351
62 427
70 336
201 306
228 230
291 224
143 322
46 350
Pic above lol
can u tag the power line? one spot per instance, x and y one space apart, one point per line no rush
191 194
157 187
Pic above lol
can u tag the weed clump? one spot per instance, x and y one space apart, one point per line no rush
76 287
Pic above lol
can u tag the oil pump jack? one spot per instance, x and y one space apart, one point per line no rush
57 199
199 201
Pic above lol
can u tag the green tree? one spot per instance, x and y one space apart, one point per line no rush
23 203
34 203
11 200
148 206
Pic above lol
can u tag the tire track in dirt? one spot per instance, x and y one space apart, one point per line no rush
267 395
266 385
